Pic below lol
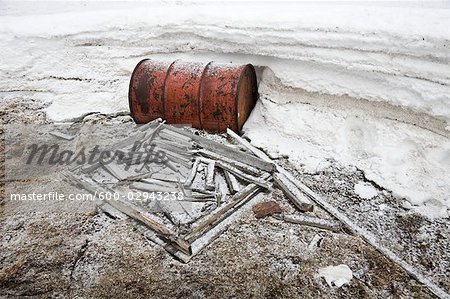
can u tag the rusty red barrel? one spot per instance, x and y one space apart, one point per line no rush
208 96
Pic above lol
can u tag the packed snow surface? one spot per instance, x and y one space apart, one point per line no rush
365 190
365 84
336 275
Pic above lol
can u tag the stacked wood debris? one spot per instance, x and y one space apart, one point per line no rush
210 180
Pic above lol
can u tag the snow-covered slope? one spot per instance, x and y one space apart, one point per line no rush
366 84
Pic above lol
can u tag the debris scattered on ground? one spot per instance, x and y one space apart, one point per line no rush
266 208
332 225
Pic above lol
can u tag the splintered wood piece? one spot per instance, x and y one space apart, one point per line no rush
115 170
193 173
118 145
227 151
169 212
168 247
111 211
62 135
129 141
175 135
242 166
174 143
152 187
174 157
260 154
164 177
242 175
150 124
203 195
154 133
210 176
237 200
133 212
332 225
293 193
232 183
199 199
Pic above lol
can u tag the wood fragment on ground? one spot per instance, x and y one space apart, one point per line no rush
242 175
260 154
293 193
238 199
233 184
227 151
193 173
242 166
210 174
331 225
133 212
62 135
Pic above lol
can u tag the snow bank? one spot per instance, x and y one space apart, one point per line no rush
393 54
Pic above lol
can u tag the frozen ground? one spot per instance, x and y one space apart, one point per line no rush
350 93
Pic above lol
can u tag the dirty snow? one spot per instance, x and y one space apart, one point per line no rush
365 190
365 84
336 275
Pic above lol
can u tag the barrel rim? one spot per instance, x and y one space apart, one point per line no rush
130 87
255 99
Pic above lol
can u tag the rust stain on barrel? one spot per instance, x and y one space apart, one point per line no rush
209 96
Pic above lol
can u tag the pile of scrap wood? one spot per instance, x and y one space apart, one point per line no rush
199 183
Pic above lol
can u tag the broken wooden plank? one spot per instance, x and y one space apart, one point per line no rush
111 211
332 225
168 211
193 173
155 132
157 182
242 166
239 198
152 187
199 199
164 177
203 194
260 154
175 135
232 182
210 176
242 175
133 212
125 143
151 236
226 151
62 135
149 125
293 193
116 171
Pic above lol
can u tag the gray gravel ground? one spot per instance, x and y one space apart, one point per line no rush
59 250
